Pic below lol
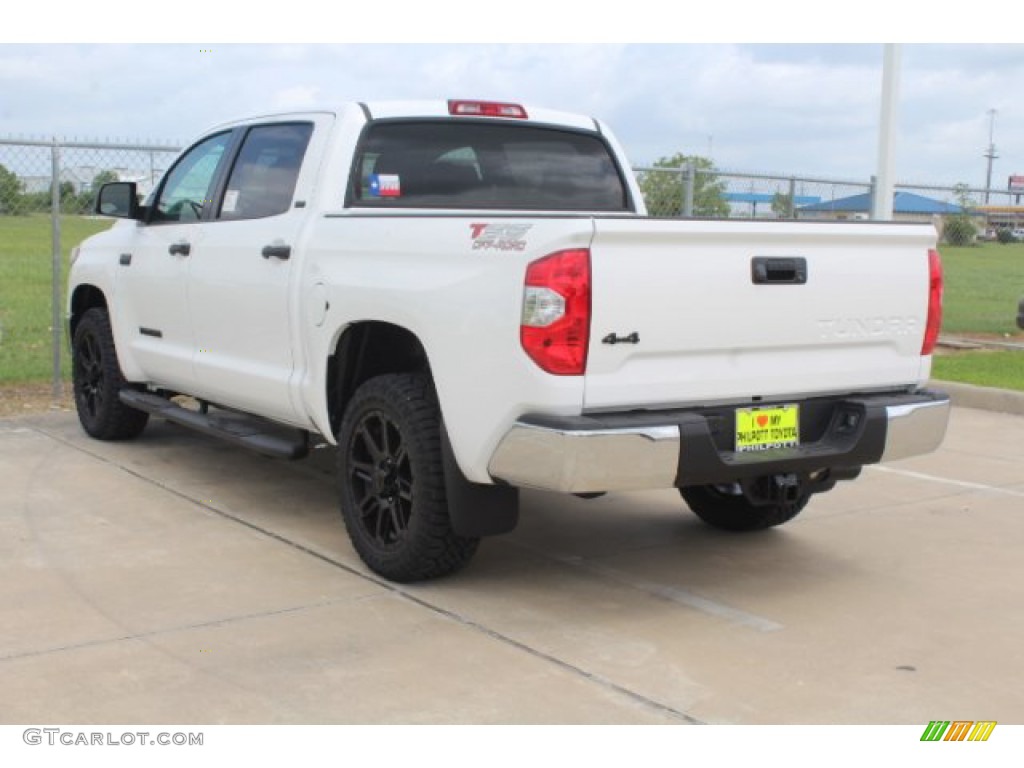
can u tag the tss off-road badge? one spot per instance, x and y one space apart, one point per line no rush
499 237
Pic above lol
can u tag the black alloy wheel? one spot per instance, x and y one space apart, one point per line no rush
380 476
391 481
97 380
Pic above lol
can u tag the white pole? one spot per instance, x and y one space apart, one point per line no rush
881 205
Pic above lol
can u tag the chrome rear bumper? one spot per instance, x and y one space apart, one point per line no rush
636 451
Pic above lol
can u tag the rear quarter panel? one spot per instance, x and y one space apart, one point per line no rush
422 272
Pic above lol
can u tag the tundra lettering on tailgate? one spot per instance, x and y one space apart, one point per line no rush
866 327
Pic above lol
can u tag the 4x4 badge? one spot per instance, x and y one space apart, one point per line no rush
611 338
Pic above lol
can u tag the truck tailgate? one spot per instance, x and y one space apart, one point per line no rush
720 313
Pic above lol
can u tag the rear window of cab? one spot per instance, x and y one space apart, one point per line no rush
484 165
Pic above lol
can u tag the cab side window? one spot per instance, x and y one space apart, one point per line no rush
262 181
189 185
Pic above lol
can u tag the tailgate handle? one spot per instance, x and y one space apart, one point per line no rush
787 270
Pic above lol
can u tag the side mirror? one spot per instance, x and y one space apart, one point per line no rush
118 199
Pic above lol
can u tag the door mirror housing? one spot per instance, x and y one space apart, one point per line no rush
118 199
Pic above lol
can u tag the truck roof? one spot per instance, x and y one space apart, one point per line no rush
383 110
438 108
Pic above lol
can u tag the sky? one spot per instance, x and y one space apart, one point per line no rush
799 107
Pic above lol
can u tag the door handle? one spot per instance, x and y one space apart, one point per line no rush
180 249
282 252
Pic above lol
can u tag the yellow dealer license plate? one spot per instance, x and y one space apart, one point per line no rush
762 429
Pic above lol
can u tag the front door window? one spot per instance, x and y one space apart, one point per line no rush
189 185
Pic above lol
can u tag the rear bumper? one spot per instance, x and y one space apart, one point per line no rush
645 450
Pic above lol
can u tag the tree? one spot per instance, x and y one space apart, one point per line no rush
10 192
36 202
87 197
103 177
66 191
42 202
958 228
782 205
663 191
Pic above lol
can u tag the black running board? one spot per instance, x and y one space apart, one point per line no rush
250 432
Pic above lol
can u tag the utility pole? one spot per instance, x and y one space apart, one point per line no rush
991 154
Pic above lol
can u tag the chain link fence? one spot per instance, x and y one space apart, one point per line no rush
39 223
41 220
721 193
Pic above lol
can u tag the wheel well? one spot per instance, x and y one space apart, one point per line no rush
366 350
83 299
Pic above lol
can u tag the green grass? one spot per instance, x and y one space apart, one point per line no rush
982 287
25 290
1004 370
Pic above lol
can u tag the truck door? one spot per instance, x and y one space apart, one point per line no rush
153 275
240 279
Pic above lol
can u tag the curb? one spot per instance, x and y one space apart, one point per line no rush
982 398
956 342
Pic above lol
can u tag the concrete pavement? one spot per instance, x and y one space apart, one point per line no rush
175 579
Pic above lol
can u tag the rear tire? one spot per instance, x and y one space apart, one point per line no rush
97 381
725 507
391 478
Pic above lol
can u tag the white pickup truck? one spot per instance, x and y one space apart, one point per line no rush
467 298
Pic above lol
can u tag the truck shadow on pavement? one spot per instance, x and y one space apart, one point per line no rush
644 541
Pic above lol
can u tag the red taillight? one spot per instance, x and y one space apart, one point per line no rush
931 330
555 325
486 109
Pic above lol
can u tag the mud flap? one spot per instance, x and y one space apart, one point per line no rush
476 509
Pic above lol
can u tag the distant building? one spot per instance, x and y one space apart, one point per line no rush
81 178
1003 216
906 207
746 203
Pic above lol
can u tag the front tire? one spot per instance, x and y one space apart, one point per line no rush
725 507
391 478
97 381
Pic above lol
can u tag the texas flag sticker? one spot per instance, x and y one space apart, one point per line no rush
385 185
